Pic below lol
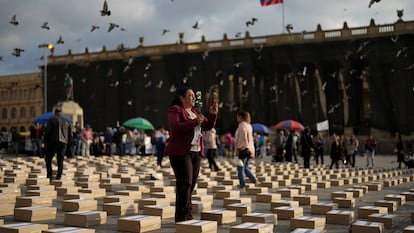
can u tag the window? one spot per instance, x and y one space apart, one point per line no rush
32 112
4 113
13 113
22 113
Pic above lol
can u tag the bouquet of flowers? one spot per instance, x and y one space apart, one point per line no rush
199 100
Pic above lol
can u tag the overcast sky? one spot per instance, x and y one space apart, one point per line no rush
73 20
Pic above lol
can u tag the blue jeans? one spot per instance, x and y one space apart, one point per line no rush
245 169
37 147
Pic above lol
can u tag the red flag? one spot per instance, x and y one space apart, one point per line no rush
270 2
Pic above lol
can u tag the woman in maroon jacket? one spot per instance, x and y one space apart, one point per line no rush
185 147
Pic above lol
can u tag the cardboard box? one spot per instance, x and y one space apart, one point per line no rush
69 230
138 187
355 192
280 203
268 197
310 186
198 206
400 199
120 208
153 201
250 227
23 228
364 211
409 229
260 218
33 201
286 213
307 222
323 184
96 192
167 195
364 188
233 200
341 194
387 219
221 194
374 186
139 223
69 196
202 198
196 226
301 188
41 187
323 207
79 204
240 208
163 211
85 218
34 213
162 189
344 202
409 196
221 216
6 198
305 230
306 199
64 190
367 227
270 184
285 192
340 217
256 190
6 209
117 198
391 205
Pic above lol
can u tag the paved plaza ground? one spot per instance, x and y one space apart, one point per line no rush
145 168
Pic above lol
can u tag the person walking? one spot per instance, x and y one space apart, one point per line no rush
36 134
320 143
307 147
159 143
244 147
279 143
356 141
336 151
351 147
210 141
185 146
58 134
370 146
399 149
86 138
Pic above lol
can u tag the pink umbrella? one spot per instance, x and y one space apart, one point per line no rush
290 124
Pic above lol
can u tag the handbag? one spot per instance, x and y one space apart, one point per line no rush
237 162
244 153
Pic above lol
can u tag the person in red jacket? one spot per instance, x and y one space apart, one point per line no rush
185 146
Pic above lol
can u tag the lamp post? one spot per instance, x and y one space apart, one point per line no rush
47 47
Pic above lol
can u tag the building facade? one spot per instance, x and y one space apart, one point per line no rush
21 100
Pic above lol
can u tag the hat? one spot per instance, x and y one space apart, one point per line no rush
58 110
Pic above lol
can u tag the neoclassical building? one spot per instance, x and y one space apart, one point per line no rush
21 100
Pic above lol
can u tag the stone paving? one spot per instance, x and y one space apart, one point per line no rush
286 176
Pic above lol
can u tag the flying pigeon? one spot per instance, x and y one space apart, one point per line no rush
94 28
251 22
112 26
164 31
14 21
289 28
372 2
1 58
60 40
195 26
17 52
45 26
105 11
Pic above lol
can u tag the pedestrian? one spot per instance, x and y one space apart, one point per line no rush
86 138
159 143
351 147
58 134
399 149
36 135
336 151
108 140
244 147
355 139
370 146
228 145
295 145
185 146
76 142
210 142
319 144
307 147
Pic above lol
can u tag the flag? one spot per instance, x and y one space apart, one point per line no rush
322 126
270 2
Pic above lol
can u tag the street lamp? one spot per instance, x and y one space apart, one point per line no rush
50 48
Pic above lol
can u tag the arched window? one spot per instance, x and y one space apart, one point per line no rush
4 113
22 113
13 113
32 112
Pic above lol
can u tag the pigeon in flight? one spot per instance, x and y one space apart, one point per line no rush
289 28
60 40
94 28
372 2
105 11
14 21
164 31
195 26
112 26
251 22
45 26
17 52
1 58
